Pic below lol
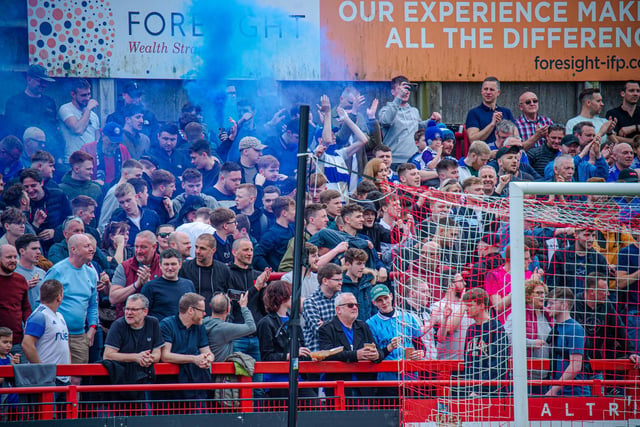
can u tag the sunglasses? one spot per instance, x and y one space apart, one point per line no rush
350 305
164 235
531 101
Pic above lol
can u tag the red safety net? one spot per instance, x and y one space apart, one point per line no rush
452 270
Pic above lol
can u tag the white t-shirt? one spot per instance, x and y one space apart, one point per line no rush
53 336
452 348
73 142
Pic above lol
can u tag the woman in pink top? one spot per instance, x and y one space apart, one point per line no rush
498 284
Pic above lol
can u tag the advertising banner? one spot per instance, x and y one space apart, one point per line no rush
343 39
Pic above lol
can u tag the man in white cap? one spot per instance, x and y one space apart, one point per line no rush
250 152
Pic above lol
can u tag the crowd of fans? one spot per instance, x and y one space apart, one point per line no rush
136 241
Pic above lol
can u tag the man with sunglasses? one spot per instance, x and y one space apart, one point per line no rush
346 330
532 127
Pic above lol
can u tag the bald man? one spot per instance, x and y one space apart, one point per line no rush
180 241
622 154
532 127
80 304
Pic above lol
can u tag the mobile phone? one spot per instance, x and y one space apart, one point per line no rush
413 87
234 294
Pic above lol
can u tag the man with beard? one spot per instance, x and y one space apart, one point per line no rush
627 115
187 345
14 304
134 273
590 106
570 267
80 305
245 279
540 156
207 274
508 158
79 122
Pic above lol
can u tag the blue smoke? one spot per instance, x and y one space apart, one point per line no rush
245 39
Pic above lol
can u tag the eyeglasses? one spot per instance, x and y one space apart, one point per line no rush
134 309
350 305
234 222
531 101
164 235
199 309
335 280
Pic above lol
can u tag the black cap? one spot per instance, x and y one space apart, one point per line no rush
512 149
570 139
628 175
132 90
368 206
39 72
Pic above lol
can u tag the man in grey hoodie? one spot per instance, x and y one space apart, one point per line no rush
221 333
400 121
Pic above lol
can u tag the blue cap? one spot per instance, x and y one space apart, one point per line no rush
113 131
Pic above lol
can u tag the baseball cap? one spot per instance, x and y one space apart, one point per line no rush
628 175
368 206
512 149
133 90
251 142
113 131
378 291
570 139
39 72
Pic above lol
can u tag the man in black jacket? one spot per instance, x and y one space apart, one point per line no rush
207 274
345 330
48 207
244 278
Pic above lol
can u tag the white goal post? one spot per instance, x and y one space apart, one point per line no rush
517 192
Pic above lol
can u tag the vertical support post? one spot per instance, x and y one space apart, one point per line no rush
45 412
519 343
72 398
246 396
294 322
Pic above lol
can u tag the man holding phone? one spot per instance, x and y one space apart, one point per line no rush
221 333
400 121
245 279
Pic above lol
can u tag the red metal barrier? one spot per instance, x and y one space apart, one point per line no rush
339 400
